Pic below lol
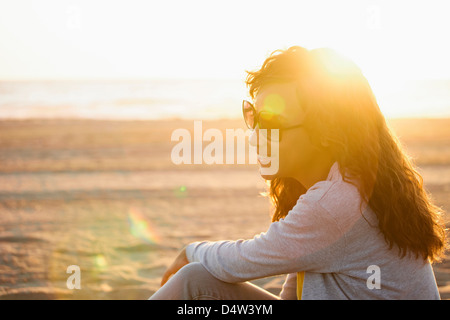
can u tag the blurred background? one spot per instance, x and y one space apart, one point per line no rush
90 92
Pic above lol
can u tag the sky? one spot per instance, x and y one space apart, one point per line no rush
144 39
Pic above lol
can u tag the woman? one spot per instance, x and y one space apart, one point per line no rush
352 219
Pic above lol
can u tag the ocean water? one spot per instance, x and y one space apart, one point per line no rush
146 99
185 99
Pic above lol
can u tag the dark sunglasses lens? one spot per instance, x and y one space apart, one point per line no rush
268 121
249 114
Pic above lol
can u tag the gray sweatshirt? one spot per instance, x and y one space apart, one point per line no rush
333 240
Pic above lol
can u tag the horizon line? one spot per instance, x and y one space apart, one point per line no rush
156 78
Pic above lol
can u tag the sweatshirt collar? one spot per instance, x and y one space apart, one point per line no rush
334 173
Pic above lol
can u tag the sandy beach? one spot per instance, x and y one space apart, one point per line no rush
105 196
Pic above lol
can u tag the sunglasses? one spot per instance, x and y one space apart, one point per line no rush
264 120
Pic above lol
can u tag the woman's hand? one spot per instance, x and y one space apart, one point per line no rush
179 262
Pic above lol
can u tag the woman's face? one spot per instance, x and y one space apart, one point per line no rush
297 154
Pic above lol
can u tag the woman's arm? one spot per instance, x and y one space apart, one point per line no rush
179 262
306 240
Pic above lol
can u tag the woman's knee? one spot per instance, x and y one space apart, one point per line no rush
197 282
192 271
183 284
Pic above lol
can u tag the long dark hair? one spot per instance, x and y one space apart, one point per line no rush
341 107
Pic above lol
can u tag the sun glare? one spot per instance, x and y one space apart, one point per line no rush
391 41
274 104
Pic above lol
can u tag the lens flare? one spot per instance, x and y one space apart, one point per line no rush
100 262
141 227
274 104
181 192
